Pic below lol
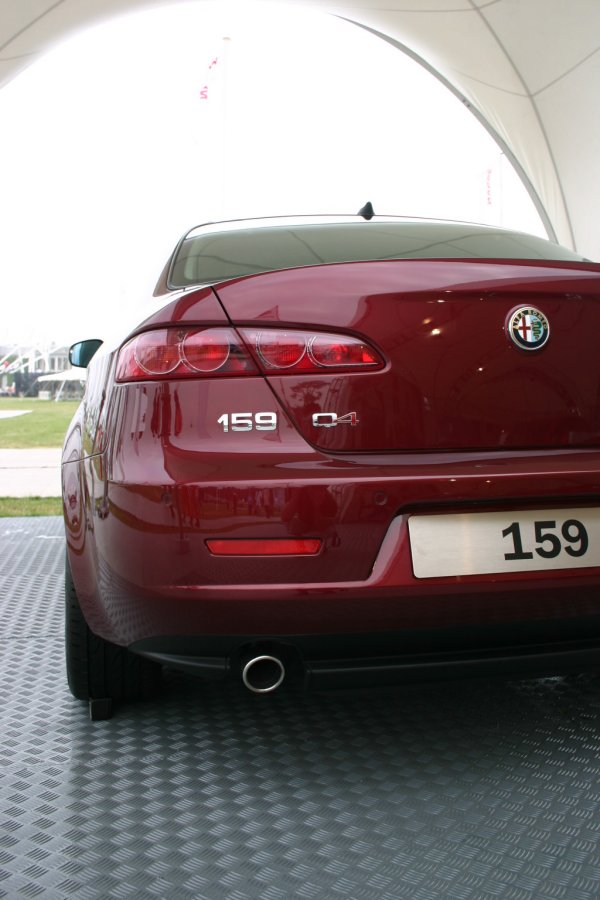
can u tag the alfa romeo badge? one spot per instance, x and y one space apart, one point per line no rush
528 328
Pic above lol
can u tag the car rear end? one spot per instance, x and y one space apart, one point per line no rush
366 470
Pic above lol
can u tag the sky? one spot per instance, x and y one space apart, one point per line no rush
111 150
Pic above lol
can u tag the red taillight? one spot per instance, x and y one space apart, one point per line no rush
280 349
184 353
341 351
305 351
206 351
210 352
157 352
268 547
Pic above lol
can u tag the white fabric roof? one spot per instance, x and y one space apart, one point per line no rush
529 69
65 375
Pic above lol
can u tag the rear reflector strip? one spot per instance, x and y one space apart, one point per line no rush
271 547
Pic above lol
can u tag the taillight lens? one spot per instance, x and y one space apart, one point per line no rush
306 351
208 350
280 349
183 353
157 352
211 352
329 351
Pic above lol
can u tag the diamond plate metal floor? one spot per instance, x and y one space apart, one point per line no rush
470 790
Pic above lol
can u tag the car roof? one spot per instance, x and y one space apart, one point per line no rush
324 219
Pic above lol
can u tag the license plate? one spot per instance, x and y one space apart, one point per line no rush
496 542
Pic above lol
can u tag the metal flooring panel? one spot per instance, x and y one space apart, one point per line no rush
474 790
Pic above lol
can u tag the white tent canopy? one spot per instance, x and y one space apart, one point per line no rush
63 378
66 375
528 69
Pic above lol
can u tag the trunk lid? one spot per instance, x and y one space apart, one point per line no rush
454 379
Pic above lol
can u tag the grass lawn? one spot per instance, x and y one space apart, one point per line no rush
43 426
30 506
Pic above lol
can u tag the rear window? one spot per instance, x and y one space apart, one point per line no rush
218 256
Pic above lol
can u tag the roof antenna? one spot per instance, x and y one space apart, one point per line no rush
367 212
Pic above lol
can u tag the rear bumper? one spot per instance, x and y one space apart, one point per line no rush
346 660
532 662
138 522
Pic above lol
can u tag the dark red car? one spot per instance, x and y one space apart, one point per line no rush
340 450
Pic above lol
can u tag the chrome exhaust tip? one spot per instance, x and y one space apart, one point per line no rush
263 674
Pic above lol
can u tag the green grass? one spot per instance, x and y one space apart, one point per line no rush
30 506
44 426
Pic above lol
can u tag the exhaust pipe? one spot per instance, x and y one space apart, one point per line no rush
263 674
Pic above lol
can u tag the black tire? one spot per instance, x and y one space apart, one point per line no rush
97 669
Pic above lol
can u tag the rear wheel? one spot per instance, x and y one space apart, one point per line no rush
97 669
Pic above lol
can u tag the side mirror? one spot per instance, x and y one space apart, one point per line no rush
81 353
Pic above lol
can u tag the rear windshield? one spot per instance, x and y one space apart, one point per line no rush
218 256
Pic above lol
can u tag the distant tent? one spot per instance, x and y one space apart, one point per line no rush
63 378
